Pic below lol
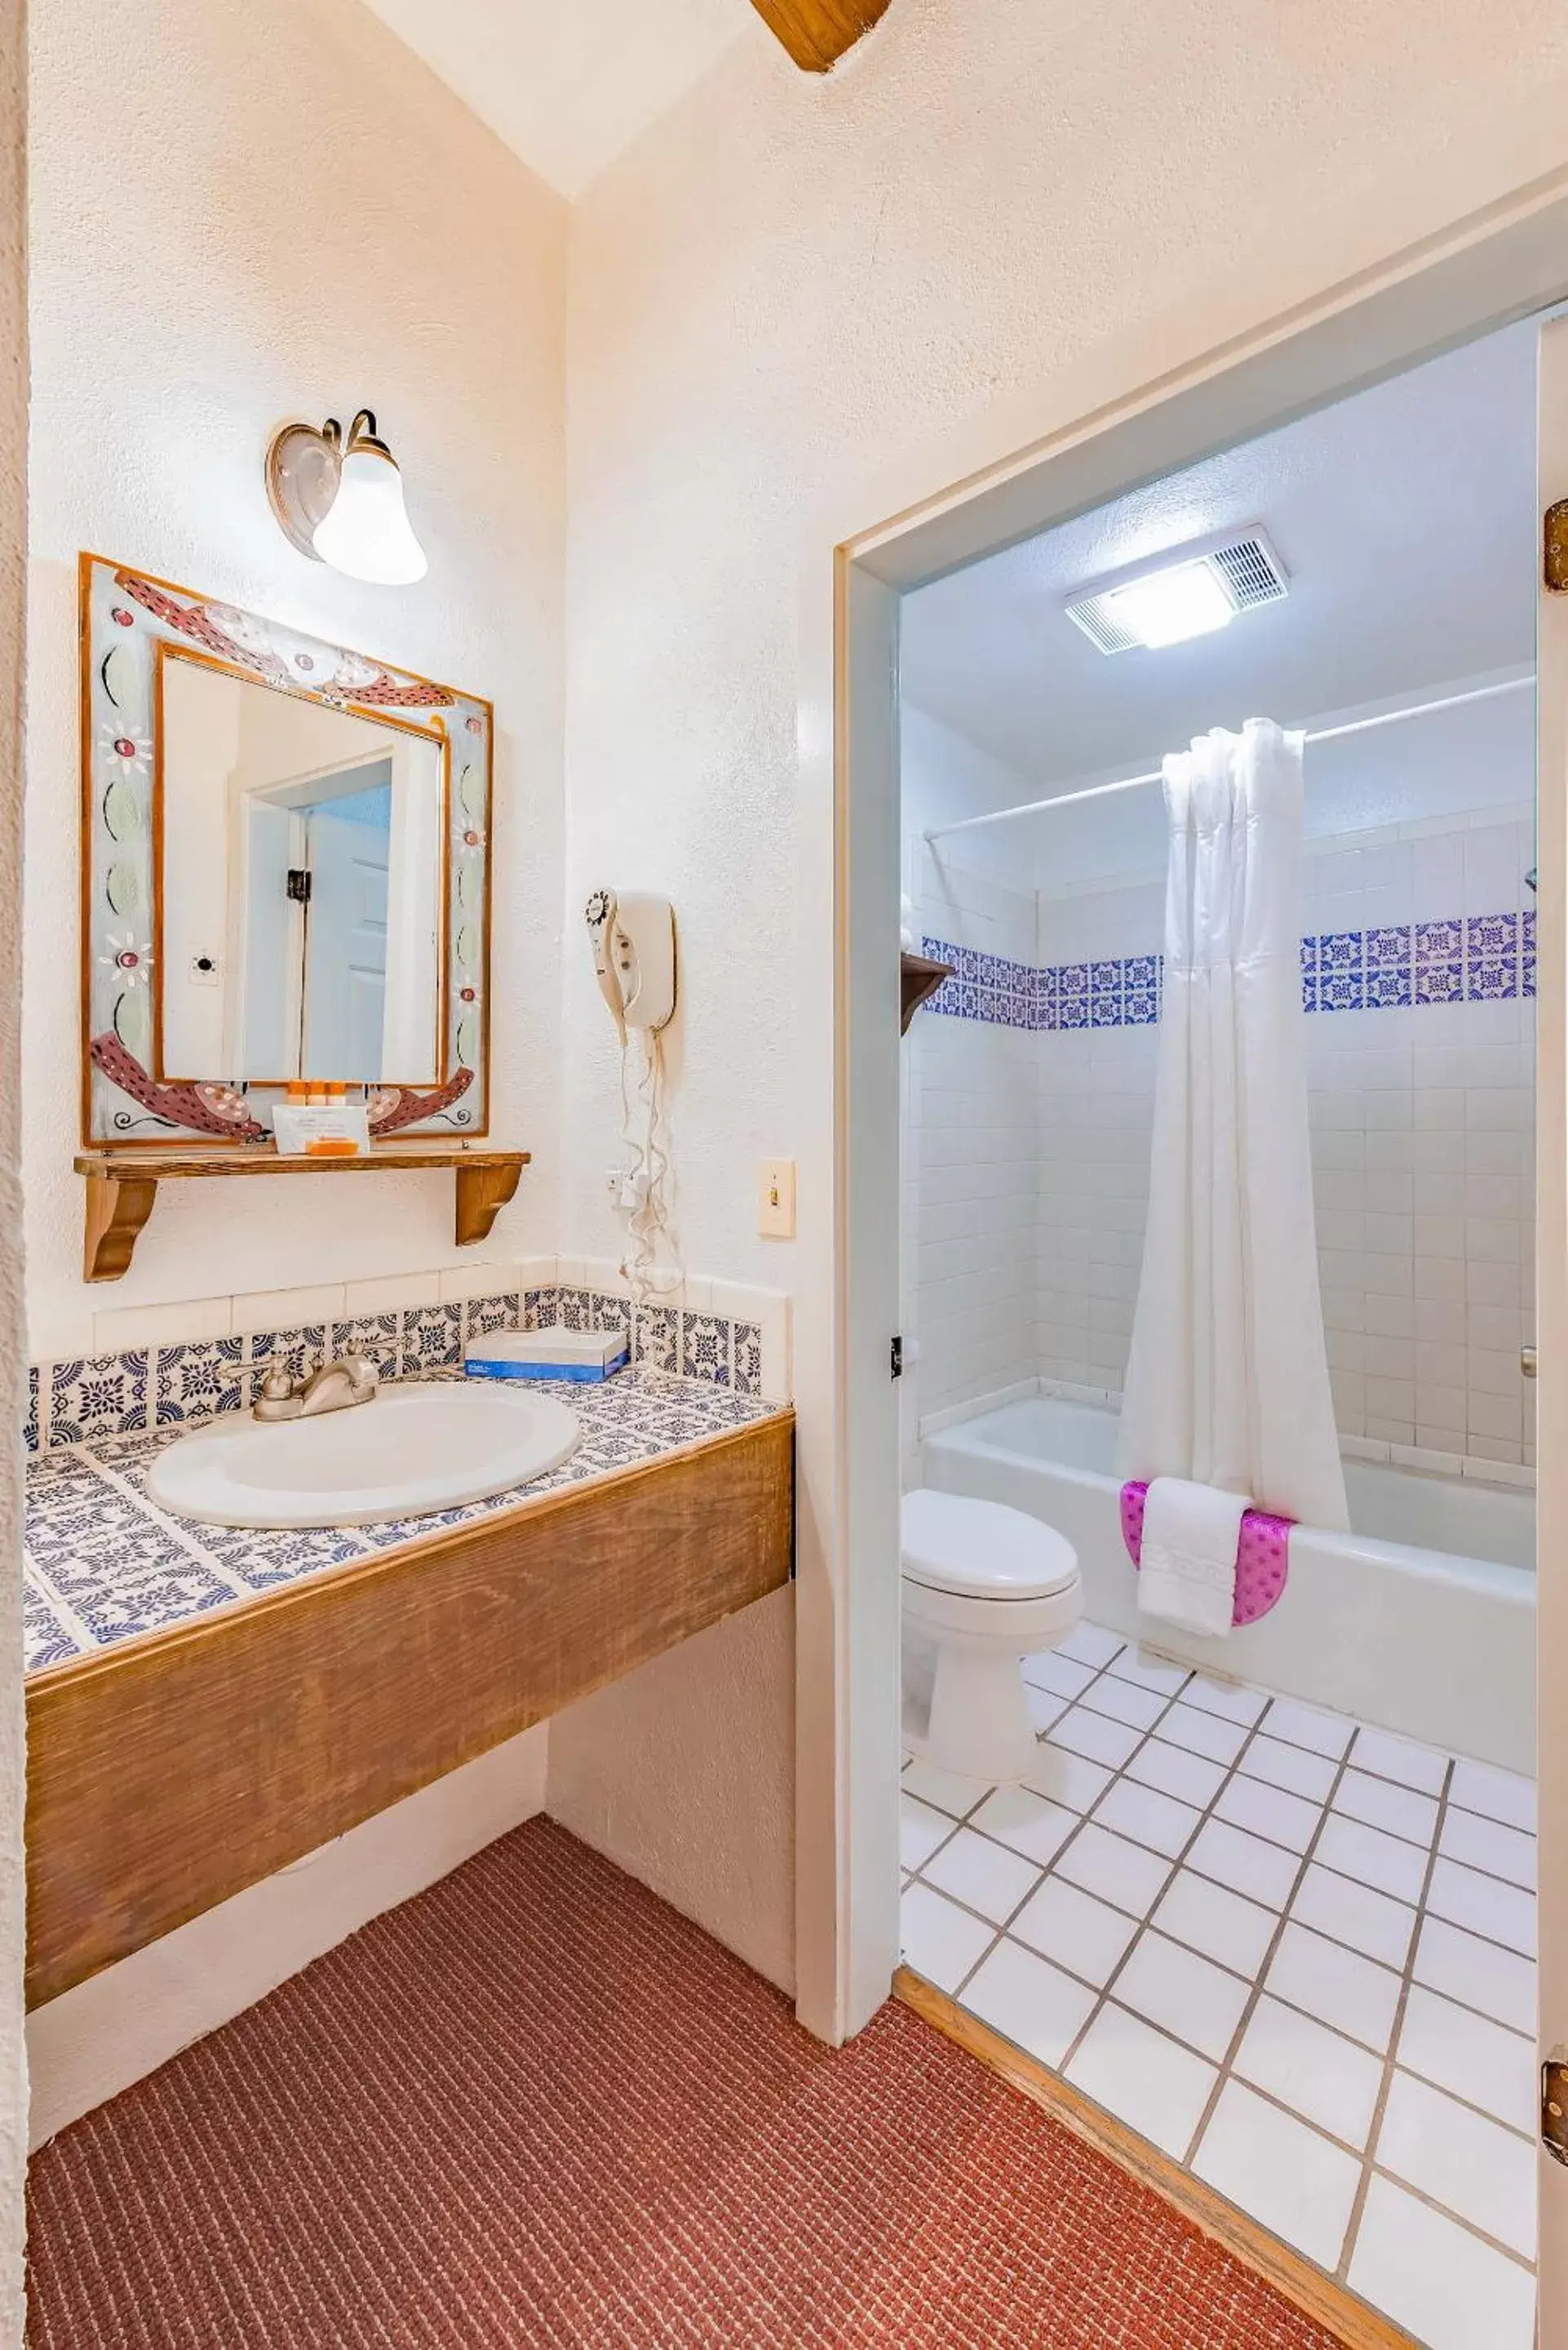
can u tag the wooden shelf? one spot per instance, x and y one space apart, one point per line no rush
121 1186
918 977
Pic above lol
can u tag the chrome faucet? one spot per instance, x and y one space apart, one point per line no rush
334 1386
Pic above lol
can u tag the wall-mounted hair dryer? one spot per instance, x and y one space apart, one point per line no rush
633 941
633 938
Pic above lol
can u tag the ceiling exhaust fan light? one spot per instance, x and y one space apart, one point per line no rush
1169 607
1195 590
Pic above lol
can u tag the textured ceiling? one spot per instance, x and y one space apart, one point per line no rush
568 83
1404 517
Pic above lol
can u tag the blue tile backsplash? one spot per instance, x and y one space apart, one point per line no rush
85 1400
1463 959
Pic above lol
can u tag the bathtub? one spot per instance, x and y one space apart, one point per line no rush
1421 1619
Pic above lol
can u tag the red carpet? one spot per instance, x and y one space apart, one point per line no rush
535 2107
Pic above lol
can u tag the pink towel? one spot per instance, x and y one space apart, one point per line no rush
1262 1554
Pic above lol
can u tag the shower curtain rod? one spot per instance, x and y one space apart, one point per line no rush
1322 735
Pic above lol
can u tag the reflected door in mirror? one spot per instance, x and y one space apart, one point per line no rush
302 871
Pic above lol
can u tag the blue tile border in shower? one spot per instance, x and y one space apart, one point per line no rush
1462 959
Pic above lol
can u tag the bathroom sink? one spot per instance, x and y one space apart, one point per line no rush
417 1446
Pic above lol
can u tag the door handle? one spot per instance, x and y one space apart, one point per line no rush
1527 1361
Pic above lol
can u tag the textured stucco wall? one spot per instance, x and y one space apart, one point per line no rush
785 283
13 601
242 215
646 1770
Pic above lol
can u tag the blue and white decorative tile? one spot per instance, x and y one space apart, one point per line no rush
1341 989
1140 1007
1309 991
262 1561
375 1335
54 1477
746 1357
1440 982
575 1308
611 1313
197 1381
299 1352
1339 951
30 1424
705 1347
1388 987
1106 995
1491 983
1389 944
101 1395
110 1559
45 1639
61 1525
483 1314
1527 953
541 1308
1439 943
967 964
1072 996
657 1344
1047 996
1491 938
432 1338
173 1596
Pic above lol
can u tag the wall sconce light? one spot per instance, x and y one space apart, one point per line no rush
341 502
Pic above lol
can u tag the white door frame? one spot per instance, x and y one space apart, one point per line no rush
1325 321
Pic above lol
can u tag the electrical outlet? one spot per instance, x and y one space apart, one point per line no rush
614 1178
775 1199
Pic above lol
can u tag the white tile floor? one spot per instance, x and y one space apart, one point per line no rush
1295 1953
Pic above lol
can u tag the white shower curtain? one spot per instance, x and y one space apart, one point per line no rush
1228 1378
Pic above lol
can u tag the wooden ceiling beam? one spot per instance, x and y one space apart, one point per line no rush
817 32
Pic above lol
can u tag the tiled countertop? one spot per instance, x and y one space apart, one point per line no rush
104 1563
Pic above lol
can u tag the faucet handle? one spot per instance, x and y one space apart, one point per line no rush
277 1386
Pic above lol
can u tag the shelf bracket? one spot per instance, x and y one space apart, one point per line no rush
116 1208
481 1193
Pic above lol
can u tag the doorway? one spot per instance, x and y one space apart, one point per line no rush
1107 455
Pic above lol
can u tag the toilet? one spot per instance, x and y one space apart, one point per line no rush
983 1587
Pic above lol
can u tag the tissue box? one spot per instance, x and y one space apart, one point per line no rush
580 1355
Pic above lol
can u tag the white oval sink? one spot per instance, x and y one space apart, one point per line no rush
414 1448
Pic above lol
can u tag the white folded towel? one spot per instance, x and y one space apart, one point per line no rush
1186 1560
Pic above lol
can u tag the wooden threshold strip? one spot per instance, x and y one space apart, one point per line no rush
1297 2280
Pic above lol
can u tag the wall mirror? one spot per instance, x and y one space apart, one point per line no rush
286 875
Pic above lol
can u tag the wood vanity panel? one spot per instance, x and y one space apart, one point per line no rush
172 1772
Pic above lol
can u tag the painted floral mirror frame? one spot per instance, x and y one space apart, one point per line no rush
126 617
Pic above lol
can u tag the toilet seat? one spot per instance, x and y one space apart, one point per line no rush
982 1550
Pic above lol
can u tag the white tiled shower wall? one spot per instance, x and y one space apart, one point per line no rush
1422 1135
972 1155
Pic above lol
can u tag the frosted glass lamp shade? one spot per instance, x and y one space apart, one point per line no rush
366 532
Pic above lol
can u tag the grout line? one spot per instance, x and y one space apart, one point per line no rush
1047 1869
1205 1814
1455 2219
1224 2070
1266 1961
1353 2230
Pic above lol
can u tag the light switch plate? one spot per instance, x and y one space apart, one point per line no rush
775 1199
